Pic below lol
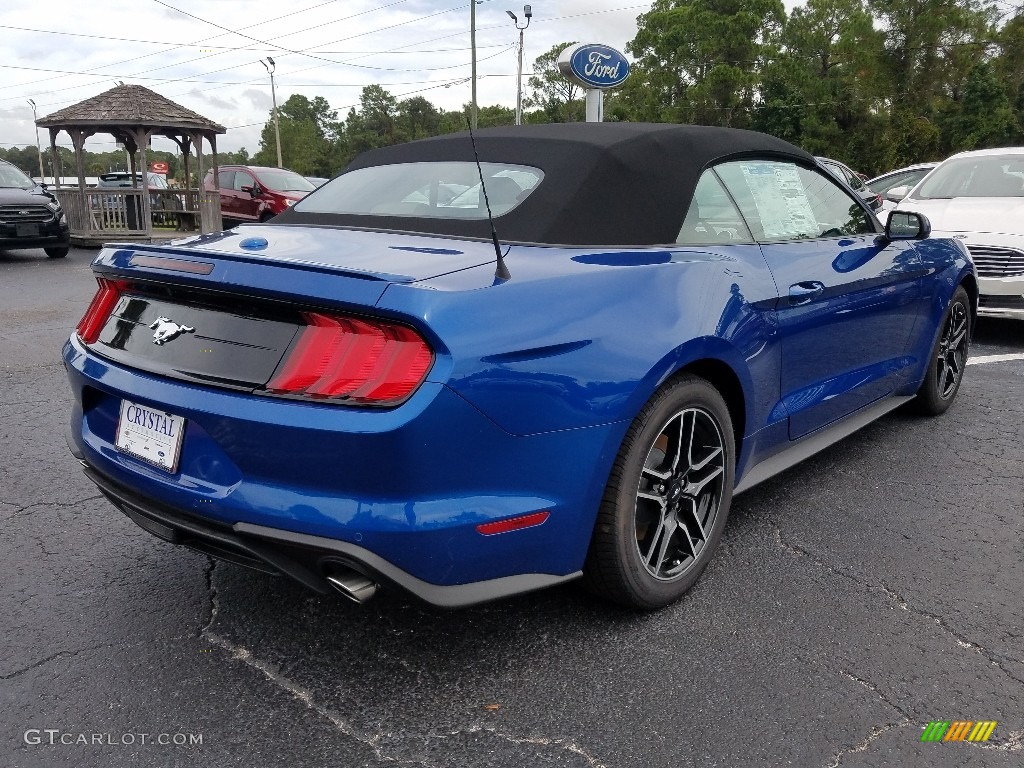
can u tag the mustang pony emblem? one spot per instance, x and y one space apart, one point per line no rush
167 330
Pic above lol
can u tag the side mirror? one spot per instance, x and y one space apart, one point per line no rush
255 190
896 194
245 188
903 225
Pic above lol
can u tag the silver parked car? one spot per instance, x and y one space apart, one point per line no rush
979 197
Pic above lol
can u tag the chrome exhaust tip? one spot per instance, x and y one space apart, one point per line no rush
353 585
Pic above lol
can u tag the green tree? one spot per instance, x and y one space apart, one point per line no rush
549 92
985 118
701 57
305 128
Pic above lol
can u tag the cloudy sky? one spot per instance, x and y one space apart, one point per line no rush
65 51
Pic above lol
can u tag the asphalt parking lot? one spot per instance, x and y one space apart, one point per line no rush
871 590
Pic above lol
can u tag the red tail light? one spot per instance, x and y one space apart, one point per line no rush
99 310
367 362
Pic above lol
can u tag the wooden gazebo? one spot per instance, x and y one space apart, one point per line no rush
133 115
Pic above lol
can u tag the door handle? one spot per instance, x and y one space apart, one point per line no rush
802 293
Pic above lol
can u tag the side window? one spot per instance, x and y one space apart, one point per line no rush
712 216
226 180
243 179
784 201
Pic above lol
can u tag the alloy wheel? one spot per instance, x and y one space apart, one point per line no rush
680 493
952 354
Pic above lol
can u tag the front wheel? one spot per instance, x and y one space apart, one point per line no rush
57 253
948 358
667 498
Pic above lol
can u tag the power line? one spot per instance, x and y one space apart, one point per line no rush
219 47
255 80
197 42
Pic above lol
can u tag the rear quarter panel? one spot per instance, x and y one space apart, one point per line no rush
578 338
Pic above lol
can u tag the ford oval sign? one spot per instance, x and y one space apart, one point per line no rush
592 65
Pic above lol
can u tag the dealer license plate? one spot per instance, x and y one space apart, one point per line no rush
26 230
150 434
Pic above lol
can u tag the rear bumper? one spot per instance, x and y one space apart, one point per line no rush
398 492
309 560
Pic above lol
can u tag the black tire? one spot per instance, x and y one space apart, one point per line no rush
643 554
948 358
57 253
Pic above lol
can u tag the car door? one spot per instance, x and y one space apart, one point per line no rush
226 188
849 299
248 206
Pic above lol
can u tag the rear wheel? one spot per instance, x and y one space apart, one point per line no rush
948 359
57 253
667 498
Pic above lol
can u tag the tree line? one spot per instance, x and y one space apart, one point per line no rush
877 84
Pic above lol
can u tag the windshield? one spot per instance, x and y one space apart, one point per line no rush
445 190
10 176
978 176
284 181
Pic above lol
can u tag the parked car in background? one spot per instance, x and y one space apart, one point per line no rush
254 193
123 180
316 181
854 179
979 197
565 371
908 176
904 177
30 216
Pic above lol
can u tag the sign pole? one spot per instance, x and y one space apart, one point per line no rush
595 105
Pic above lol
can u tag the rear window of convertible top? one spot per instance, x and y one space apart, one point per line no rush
434 190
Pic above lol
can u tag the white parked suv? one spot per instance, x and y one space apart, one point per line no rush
979 197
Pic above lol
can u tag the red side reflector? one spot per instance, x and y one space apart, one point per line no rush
99 310
360 361
513 523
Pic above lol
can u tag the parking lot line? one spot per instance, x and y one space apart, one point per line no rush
994 359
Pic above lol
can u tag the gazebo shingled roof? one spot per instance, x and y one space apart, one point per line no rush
130 105
133 115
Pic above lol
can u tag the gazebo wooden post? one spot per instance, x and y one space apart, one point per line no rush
54 159
141 139
204 204
78 140
216 222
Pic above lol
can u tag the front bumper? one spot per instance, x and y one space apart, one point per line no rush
51 234
396 493
1001 297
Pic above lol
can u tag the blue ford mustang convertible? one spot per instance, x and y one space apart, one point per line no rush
467 368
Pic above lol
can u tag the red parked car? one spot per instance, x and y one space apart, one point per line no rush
252 193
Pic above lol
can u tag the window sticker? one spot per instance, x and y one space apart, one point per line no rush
781 200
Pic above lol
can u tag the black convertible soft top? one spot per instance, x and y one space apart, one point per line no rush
604 183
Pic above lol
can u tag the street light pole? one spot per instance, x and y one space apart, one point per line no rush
273 95
472 46
528 13
39 147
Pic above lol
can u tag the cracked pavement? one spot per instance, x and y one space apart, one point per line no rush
872 589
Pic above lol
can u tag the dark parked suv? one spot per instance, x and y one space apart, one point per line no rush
30 217
251 193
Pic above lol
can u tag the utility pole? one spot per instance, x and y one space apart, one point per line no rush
528 13
273 95
472 46
39 147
